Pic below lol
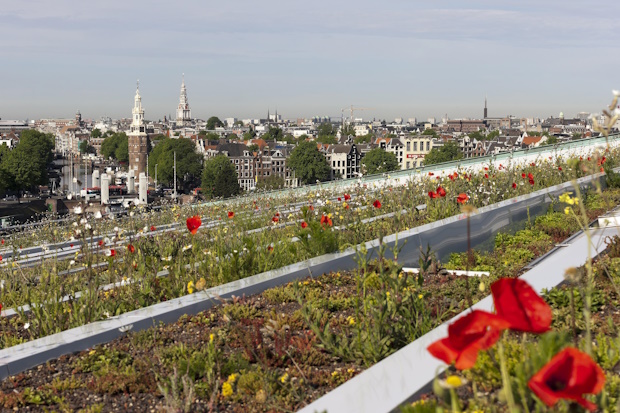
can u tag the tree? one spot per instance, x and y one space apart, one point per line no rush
492 135
364 138
477 135
378 161
270 182
219 178
326 129
249 135
95 134
110 145
26 165
429 132
552 140
189 163
253 148
448 152
308 163
85 147
273 133
328 139
214 122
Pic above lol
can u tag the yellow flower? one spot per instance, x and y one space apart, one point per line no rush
351 320
452 382
227 389
284 378
190 287
481 287
420 296
232 378
211 338
567 210
90 353
334 374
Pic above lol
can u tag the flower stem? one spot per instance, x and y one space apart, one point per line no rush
506 378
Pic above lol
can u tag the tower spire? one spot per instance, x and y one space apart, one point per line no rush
184 114
485 106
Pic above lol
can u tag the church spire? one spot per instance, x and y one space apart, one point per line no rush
184 114
485 106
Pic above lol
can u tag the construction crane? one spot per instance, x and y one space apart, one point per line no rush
351 109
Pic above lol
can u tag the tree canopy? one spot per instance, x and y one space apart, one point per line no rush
308 163
96 133
214 122
116 146
270 182
26 165
447 152
219 178
347 129
430 132
85 147
379 161
328 139
189 162
273 133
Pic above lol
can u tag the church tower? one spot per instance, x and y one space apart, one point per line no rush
485 107
137 137
184 114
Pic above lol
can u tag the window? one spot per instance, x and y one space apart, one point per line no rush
407 165
428 146
408 147
415 146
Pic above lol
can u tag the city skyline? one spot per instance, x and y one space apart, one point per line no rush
404 59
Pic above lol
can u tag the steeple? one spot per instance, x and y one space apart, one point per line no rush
137 137
485 106
184 114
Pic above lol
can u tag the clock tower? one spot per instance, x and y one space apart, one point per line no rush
137 137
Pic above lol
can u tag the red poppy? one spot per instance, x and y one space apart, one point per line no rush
111 253
277 214
2 241
451 177
131 248
430 174
518 304
325 220
432 194
70 245
100 243
475 331
570 375
533 164
0 257
339 199
153 228
462 198
559 168
304 225
269 248
531 181
530 176
311 208
376 204
486 168
193 223
441 192
231 214
514 185
346 206
523 175
275 219
0 307
486 176
588 158
347 197
602 169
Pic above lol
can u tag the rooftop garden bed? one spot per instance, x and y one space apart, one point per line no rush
279 350
215 255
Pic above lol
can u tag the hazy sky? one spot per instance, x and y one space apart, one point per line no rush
403 58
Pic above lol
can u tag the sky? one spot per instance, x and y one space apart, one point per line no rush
241 58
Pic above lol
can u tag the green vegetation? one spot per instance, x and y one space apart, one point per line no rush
308 163
116 146
379 161
189 162
219 178
449 151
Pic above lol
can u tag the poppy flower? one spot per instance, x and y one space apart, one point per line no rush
533 164
486 176
570 375
339 199
325 220
269 248
230 214
530 176
517 303
376 204
0 257
311 208
131 248
153 228
111 253
477 330
451 177
432 194
304 225
2 241
347 197
70 245
523 175
100 243
430 174
559 168
531 181
514 185
462 198
275 219
193 223
486 168
441 192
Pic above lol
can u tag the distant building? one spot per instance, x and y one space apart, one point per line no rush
184 114
137 137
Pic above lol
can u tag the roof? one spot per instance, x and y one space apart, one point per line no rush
529 140
233 149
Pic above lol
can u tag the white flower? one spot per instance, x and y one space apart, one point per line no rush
145 229
83 221
72 262
26 326
126 328
106 240
131 214
77 210
116 229
187 247
98 215
75 224
168 258
88 227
